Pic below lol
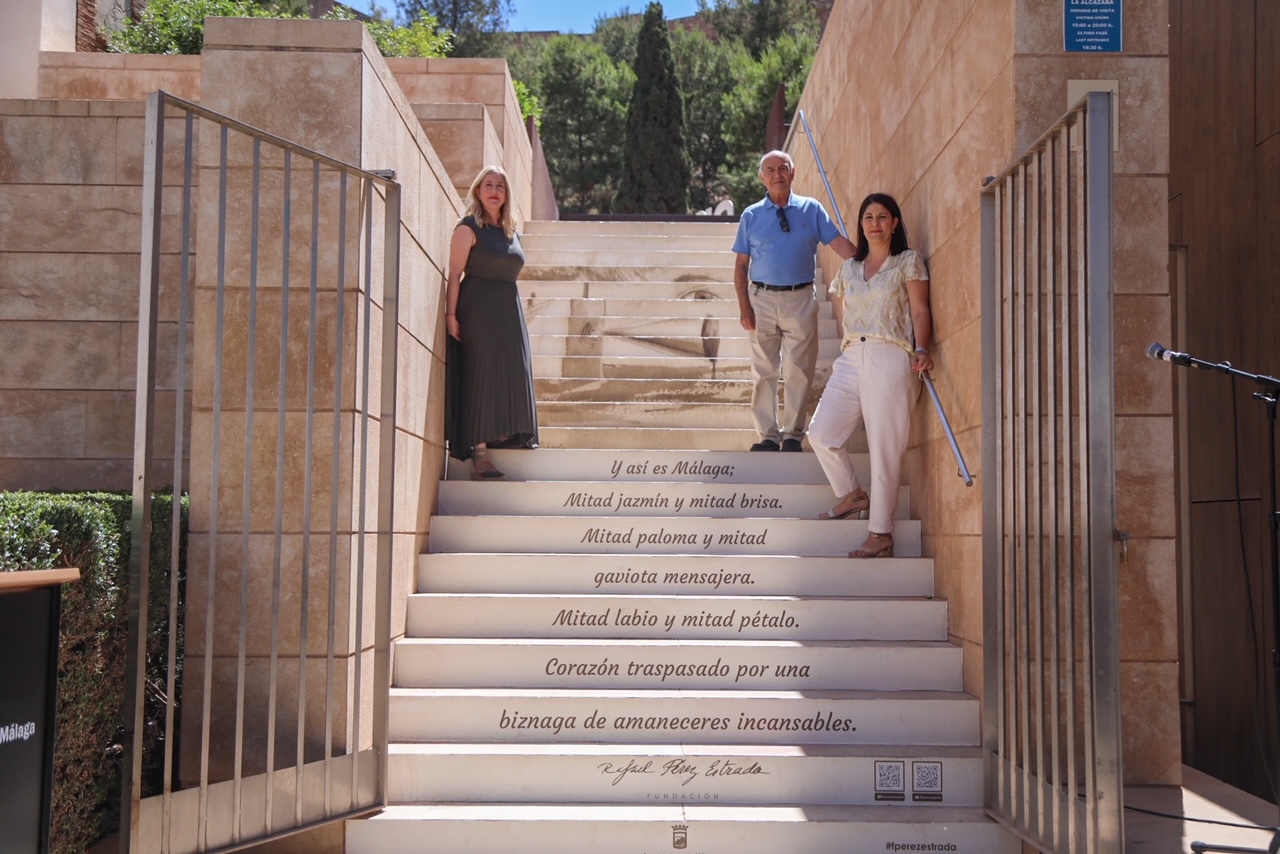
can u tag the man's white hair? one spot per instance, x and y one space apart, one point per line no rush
791 164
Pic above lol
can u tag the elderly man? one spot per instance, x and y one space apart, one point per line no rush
773 274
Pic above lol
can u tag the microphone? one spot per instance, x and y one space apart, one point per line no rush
1160 352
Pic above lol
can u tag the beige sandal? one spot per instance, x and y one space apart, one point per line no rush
855 504
877 545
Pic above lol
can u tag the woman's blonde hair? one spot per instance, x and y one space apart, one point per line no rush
476 209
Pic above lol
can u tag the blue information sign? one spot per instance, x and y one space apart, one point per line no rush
1092 26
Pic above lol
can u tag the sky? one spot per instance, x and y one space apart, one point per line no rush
566 16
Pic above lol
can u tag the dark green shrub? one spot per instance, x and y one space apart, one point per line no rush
90 531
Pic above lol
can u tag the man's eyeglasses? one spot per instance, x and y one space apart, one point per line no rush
782 220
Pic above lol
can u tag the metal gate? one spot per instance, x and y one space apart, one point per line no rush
1051 706
259 652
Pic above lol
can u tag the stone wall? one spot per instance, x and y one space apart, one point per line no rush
70 232
70 184
923 100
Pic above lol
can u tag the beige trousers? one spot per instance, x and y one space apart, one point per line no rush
871 383
784 344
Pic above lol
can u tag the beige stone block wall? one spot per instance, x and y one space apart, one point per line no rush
70 203
476 81
923 100
66 75
464 137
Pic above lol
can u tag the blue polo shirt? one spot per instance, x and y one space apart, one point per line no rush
779 257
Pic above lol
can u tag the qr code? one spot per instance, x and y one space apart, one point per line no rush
926 776
890 776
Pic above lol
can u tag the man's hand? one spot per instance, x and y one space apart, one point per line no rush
748 318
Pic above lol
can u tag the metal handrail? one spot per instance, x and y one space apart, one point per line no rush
963 471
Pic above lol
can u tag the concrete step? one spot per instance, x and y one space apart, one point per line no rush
792 618
724 308
679 820
696 717
589 287
652 367
675 575
608 535
668 500
712 346
661 466
570 413
648 326
936 777
639 271
615 229
576 241
452 662
677 390
611 253
677 438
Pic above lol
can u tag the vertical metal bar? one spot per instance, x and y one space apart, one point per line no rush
304 570
1022 499
386 480
215 469
246 498
143 429
334 487
992 448
1081 839
1105 587
277 545
1007 588
1035 519
366 372
179 478
1053 414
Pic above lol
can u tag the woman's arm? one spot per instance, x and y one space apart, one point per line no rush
459 250
922 322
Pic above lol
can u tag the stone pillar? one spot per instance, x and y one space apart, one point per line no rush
31 26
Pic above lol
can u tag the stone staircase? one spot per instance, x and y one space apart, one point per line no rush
642 641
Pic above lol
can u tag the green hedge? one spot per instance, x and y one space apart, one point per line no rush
91 531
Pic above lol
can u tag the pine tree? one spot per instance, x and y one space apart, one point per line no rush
655 170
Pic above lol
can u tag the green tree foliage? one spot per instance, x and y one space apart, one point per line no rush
705 70
787 61
419 38
618 35
177 27
655 171
530 106
584 109
757 24
478 26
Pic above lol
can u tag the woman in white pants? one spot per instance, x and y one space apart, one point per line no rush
882 300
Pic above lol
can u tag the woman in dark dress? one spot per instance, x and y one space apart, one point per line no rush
491 373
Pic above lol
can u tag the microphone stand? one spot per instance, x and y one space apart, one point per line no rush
1268 395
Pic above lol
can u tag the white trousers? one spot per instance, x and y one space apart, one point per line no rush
784 344
870 383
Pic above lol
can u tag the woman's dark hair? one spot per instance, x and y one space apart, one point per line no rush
897 242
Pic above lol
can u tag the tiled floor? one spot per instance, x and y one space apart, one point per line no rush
1200 800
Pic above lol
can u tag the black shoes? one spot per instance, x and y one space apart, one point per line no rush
792 445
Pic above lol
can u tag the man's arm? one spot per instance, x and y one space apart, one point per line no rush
844 247
741 269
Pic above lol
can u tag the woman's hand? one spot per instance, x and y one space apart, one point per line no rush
451 326
921 361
